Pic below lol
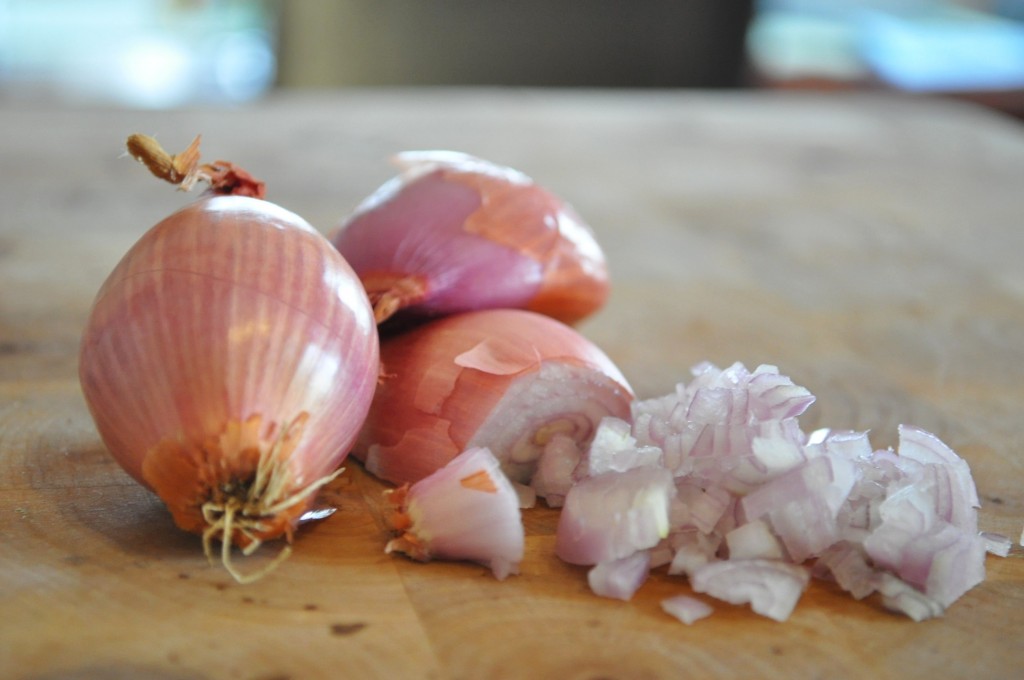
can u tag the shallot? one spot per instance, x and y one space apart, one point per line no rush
467 510
755 506
514 381
687 609
454 233
621 578
229 360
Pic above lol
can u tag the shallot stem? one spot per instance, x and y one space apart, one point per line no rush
184 170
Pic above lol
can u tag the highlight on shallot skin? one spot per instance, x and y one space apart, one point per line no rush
519 383
454 233
229 360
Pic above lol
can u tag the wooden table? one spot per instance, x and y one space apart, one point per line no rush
869 247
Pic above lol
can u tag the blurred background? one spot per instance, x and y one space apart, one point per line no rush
172 53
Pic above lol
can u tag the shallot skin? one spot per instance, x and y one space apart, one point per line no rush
231 342
454 233
443 382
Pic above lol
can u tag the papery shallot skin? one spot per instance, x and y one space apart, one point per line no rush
453 233
229 333
510 380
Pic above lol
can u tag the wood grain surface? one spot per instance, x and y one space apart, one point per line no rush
869 247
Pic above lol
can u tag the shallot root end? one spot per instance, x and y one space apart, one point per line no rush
245 503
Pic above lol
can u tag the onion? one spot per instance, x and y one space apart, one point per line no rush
621 578
510 380
997 544
687 609
751 498
771 587
453 233
228 361
466 510
613 515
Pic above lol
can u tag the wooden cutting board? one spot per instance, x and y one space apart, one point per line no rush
869 247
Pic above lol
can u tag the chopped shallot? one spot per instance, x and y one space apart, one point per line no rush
621 578
772 587
613 515
753 506
997 544
687 609
466 510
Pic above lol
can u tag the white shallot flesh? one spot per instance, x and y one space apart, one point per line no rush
613 515
621 578
687 609
772 587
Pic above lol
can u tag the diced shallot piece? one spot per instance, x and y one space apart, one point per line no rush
613 449
687 609
467 510
753 540
847 564
997 544
613 515
772 587
802 505
899 596
693 549
956 494
620 579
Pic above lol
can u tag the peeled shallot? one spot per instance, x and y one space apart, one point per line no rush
453 233
228 362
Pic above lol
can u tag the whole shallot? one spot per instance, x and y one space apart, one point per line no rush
453 233
229 359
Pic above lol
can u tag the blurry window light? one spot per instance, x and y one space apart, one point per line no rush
913 45
140 53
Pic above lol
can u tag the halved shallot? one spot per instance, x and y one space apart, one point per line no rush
467 510
511 380
228 361
453 233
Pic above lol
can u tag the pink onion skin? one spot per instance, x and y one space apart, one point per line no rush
441 381
226 323
453 233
